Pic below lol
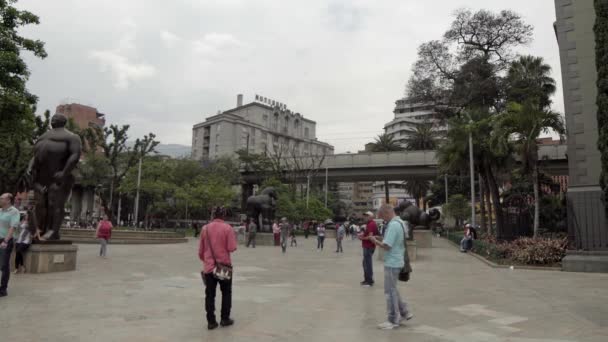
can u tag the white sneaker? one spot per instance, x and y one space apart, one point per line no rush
387 326
406 318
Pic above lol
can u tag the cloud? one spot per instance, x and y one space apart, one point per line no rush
346 16
213 43
117 61
169 39
123 70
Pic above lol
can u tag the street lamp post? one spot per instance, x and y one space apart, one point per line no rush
472 171
137 194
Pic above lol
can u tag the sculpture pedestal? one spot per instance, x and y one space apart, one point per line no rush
51 256
412 250
423 238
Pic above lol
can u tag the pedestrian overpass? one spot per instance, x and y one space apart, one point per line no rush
394 166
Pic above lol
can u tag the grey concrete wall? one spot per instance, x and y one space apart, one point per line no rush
576 39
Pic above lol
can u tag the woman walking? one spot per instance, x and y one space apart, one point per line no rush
103 233
320 236
24 240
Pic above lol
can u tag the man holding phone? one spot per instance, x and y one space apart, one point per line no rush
9 221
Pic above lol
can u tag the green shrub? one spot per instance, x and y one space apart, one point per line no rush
523 251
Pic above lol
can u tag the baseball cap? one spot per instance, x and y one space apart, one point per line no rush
368 213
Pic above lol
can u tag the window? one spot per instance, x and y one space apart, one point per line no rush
219 127
275 139
265 118
275 124
306 132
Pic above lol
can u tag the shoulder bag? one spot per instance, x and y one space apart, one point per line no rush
404 274
221 271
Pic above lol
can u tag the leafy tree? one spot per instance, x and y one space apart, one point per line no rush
457 184
121 158
601 61
385 143
418 188
458 208
17 105
424 137
529 77
462 76
521 126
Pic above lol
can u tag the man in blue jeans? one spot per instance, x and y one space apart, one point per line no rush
9 221
369 247
394 247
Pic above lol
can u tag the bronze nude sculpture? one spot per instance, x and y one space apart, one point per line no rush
416 217
264 205
56 154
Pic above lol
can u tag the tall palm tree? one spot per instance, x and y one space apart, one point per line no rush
529 77
418 189
490 162
520 127
385 143
423 137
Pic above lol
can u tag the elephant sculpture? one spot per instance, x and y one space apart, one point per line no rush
264 204
416 217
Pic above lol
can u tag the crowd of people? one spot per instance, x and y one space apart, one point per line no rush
218 241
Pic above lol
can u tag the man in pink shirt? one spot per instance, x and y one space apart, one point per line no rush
216 243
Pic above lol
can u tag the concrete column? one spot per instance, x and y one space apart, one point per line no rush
586 210
76 202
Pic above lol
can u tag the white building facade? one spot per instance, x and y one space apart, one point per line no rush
408 115
258 128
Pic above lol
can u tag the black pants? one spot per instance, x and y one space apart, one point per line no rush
5 265
210 289
20 249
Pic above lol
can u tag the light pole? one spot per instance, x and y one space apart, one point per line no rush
445 180
136 218
307 189
472 171
326 186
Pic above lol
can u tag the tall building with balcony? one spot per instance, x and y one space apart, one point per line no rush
261 126
408 115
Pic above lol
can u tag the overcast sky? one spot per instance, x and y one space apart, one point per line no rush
162 66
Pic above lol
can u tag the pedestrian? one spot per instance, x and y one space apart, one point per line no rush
284 227
307 229
394 246
104 233
466 243
353 230
24 240
368 231
216 244
292 234
320 236
9 221
196 229
252 230
276 231
339 237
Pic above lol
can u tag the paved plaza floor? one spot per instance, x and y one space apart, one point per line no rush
154 293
